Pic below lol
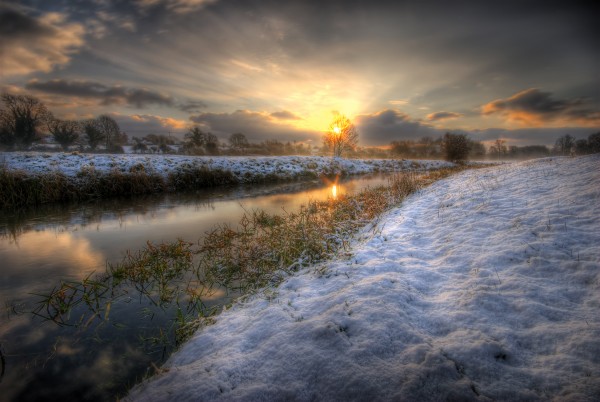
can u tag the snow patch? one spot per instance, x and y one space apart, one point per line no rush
485 286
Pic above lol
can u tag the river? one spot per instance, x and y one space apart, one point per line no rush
44 246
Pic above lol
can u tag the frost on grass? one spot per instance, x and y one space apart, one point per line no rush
486 286
243 168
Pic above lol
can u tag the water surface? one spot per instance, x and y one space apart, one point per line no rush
41 247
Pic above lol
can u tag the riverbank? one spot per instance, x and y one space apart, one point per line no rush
482 286
34 178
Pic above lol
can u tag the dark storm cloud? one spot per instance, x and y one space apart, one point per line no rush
285 115
443 116
388 125
255 125
532 106
107 95
35 43
15 24
192 106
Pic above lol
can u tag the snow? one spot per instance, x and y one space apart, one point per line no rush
484 286
242 167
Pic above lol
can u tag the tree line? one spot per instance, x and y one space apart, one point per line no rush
24 120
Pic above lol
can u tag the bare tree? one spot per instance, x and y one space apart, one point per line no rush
341 135
20 117
594 142
238 141
455 147
564 144
499 148
93 133
65 132
111 131
212 144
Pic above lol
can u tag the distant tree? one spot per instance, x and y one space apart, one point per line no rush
498 148
534 151
20 118
238 141
476 149
139 145
594 143
455 147
212 144
65 132
195 141
161 142
402 148
564 145
111 131
93 133
274 147
341 135
159 139
195 137
581 147
427 147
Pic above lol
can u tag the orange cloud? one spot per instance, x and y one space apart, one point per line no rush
532 107
165 122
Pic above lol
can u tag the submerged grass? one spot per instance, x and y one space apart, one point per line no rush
180 276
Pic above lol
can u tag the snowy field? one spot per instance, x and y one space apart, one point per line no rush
242 167
484 286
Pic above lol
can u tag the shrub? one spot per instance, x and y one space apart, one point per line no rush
455 147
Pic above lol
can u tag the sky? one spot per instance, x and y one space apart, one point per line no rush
523 71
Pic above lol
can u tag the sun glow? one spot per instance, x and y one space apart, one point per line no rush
337 130
334 192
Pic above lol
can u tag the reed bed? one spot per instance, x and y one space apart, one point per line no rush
19 188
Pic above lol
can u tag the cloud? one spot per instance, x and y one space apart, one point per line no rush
192 106
533 107
108 95
399 102
140 125
285 115
257 126
177 6
31 44
382 127
443 116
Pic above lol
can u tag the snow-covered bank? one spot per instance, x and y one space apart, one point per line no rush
242 167
486 286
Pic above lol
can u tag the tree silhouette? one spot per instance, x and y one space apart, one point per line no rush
65 132
564 144
341 135
455 147
594 142
20 117
93 133
238 141
195 137
111 131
